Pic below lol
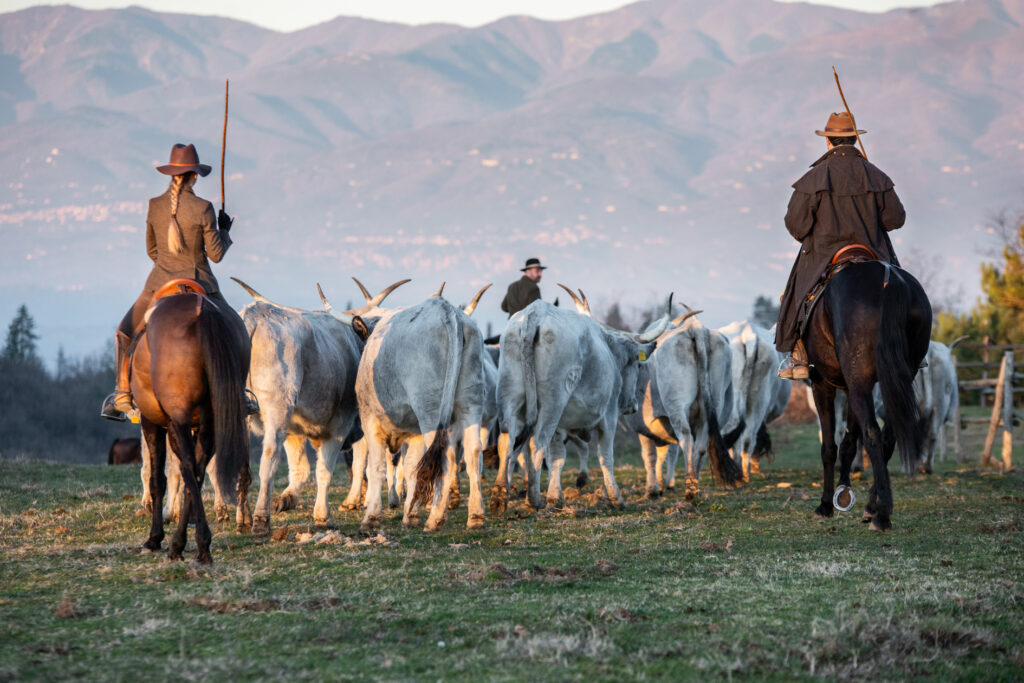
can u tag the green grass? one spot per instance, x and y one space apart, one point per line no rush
746 583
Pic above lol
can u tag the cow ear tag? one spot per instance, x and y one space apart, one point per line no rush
643 356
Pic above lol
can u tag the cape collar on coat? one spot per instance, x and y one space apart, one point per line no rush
840 150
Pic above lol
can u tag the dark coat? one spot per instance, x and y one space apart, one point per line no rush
520 294
844 199
202 239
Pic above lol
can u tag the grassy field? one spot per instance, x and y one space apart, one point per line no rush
744 584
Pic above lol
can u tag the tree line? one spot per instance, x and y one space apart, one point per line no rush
54 415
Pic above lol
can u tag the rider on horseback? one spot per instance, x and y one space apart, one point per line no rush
180 233
844 199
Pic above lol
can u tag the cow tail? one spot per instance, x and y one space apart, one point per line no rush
895 374
722 465
431 467
750 353
224 376
530 335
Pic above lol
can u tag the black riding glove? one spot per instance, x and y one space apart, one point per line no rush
224 221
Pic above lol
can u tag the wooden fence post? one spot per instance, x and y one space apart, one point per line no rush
984 369
958 446
1008 413
993 423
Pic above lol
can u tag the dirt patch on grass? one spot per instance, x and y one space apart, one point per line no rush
1000 527
229 606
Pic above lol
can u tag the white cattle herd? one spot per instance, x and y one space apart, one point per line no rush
416 393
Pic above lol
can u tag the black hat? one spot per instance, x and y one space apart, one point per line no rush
533 263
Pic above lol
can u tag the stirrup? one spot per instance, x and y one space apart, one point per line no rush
112 411
252 406
794 369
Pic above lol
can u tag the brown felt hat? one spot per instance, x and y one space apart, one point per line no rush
184 158
839 126
533 263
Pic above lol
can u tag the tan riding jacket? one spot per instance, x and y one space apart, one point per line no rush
203 239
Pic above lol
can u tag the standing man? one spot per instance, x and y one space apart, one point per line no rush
523 291
844 199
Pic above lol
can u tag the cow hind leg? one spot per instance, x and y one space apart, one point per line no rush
375 454
606 458
649 453
473 457
360 455
442 494
499 492
556 462
298 473
326 457
270 458
414 449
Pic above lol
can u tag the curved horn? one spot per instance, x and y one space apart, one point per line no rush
689 313
264 300
471 306
344 318
662 324
586 304
362 289
575 299
383 294
440 290
952 344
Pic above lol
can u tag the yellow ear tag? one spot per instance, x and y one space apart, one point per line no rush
643 356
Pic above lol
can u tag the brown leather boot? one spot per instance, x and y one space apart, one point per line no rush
795 366
117 404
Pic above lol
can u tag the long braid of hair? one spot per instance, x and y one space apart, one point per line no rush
175 237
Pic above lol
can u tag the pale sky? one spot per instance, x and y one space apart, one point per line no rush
296 14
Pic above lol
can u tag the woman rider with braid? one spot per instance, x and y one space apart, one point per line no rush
182 237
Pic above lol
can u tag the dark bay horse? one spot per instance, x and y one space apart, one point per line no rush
872 324
188 377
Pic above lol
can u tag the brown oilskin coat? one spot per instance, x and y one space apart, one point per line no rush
844 199
520 294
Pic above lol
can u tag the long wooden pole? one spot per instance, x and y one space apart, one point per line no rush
849 113
223 144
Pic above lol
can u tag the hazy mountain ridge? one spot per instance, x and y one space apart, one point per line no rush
654 143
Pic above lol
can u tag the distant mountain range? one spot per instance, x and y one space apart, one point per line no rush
637 151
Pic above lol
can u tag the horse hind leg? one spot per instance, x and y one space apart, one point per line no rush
824 401
156 454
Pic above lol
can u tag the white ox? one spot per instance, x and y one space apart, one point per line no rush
303 372
421 376
684 393
759 394
563 373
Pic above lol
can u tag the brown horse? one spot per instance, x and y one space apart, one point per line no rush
188 375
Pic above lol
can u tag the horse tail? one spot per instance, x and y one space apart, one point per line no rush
431 467
895 374
224 377
723 466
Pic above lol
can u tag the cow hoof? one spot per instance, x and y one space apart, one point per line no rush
925 469
475 522
323 521
261 526
371 524
221 512
755 467
581 479
244 528
651 494
498 504
286 501
174 556
453 502
433 525
347 507
411 522
557 502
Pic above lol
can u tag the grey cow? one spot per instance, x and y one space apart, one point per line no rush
562 372
421 377
303 372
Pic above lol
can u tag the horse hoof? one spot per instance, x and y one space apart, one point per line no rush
152 545
879 525
174 556
823 511
204 560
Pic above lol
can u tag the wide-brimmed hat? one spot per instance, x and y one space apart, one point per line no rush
533 263
184 158
839 126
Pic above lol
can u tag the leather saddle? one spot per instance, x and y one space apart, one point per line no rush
842 259
180 285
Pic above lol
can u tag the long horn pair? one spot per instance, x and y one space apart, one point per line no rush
471 306
440 291
581 308
264 300
372 301
344 318
689 314
662 325
952 344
